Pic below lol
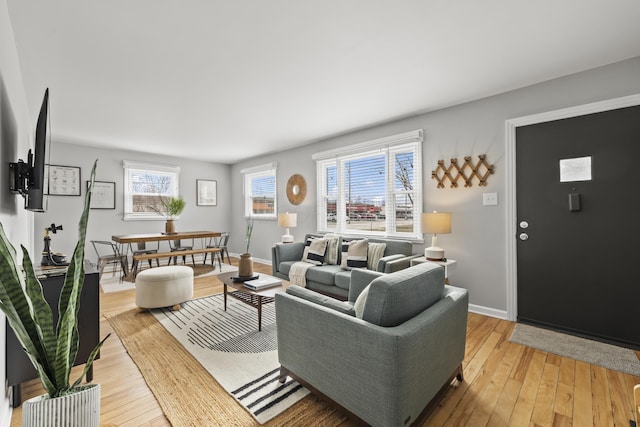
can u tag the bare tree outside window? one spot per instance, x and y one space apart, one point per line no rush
147 189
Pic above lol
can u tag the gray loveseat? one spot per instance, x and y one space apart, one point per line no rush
388 365
333 280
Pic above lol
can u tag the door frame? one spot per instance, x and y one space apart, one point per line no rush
510 198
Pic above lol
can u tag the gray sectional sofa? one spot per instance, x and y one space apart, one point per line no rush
333 280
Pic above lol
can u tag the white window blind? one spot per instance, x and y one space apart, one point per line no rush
373 188
145 185
260 191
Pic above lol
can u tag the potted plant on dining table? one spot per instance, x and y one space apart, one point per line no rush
172 207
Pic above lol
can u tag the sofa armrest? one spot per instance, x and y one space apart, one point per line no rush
324 300
359 280
397 264
285 252
382 263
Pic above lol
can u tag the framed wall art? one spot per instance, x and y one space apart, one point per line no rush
207 192
104 195
63 180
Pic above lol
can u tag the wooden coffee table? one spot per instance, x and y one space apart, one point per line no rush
248 296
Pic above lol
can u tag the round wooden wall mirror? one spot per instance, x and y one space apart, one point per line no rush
296 189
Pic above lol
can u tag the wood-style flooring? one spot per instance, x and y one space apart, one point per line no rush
505 384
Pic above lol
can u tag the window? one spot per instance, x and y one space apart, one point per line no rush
260 191
145 185
373 188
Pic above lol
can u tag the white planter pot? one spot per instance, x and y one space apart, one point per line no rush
81 409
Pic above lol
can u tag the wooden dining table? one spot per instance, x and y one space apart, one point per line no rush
156 237
126 240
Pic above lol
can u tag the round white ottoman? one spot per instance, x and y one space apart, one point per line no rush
164 287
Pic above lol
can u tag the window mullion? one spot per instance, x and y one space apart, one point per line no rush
341 205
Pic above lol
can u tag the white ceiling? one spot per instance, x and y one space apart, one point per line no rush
228 80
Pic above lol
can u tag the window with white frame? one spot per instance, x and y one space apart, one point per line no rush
372 188
145 186
260 191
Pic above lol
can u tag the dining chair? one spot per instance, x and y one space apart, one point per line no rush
177 246
108 253
143 249
219 242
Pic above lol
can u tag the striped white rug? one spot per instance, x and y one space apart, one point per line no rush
229 346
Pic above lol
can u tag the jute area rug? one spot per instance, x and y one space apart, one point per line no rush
186 391
589 351
242 359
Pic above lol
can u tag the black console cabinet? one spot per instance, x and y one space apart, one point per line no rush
18 366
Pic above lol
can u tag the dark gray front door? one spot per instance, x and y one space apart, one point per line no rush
579 260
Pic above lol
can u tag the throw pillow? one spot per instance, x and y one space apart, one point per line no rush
316 251
375 252
306 246
354 254
358 306
333 248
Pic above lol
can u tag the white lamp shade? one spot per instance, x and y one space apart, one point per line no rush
436 223
287 219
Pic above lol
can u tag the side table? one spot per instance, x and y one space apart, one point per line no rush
449 266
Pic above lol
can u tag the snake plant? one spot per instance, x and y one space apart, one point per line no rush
52 351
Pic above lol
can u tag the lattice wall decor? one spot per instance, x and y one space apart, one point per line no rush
481 170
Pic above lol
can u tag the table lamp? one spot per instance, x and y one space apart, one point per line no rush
435 223
287 220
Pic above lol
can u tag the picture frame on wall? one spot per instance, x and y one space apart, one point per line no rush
63 180
207 192
104 195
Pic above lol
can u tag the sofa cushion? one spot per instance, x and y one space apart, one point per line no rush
341 306
285 267
397 297
342 279
354 254
323 274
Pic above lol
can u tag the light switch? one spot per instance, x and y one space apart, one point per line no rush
490 199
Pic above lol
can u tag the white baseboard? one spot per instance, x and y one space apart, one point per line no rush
478 309
487 311
259 260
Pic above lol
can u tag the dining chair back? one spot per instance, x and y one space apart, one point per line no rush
219 242
143 249
108 253
177 246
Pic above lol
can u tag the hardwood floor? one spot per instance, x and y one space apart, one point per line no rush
505 384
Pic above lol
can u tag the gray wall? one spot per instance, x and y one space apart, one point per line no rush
478 239
16 137
103 223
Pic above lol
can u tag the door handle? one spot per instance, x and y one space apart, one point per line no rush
524 236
